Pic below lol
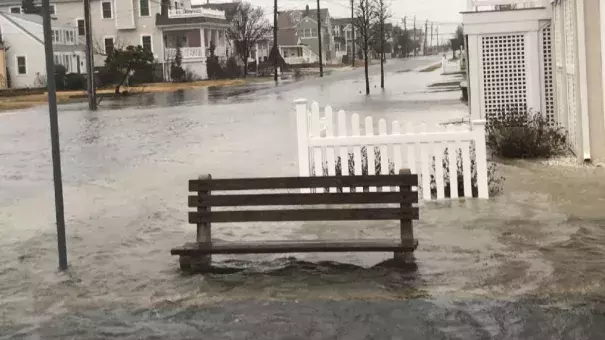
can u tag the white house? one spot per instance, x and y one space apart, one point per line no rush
540 55
23 40
154 24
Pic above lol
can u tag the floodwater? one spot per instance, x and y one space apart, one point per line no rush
525 265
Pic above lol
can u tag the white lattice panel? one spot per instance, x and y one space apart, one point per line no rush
504 74
547 74
569 25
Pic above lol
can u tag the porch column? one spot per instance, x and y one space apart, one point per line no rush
475 76
203 42
532 67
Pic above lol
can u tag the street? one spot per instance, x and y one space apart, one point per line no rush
487 269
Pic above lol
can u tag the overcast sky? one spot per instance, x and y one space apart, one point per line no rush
445 13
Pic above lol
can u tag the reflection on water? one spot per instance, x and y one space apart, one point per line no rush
527 264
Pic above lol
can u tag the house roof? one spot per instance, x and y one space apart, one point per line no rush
287 36
292 17
341 21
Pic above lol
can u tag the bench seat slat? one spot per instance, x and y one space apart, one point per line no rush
408 197
406 213
302 182
268 247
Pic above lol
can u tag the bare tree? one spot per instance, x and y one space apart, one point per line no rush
382 14
365 19
248 27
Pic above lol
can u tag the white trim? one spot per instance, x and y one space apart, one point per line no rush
10 9
113 38
148 9
583 78
150 38
111 5
17 65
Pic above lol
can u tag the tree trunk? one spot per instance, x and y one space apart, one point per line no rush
365 52
382 55
246 66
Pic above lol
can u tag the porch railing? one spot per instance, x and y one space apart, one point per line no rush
196 12
480 5
186 52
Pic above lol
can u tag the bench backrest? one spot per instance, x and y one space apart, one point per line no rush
206 198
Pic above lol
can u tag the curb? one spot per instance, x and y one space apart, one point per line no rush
418 69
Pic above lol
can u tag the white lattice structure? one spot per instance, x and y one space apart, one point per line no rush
510 67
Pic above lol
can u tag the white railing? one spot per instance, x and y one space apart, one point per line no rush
473 5
329 145
300 60
196 12
186 52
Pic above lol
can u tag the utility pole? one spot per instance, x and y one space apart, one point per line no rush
321 66
432 38
405 31
275 49
54 135
90 63
353 31
414 41
426 34
438 42
382 19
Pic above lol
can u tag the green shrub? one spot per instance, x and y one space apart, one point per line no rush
521 134
75 81
60 73
232 70
345 59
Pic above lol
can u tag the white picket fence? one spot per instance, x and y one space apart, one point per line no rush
328 146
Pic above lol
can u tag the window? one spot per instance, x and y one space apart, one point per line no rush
144 8
146 40
314 32
21 65
176 5
106 9
109 46
16 10
53 10
81 27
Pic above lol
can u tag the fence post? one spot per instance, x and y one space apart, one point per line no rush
202 263
406 228
302 132
481 157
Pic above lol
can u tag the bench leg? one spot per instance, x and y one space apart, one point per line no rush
404 258
201 263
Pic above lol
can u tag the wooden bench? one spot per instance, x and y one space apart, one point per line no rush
196 256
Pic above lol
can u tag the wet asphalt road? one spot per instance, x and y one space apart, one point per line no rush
526 265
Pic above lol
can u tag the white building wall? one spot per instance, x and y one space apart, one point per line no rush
21 44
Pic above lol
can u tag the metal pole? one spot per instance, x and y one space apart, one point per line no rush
275 49
54 134
321 66
90 63
353 31
426 35
431 38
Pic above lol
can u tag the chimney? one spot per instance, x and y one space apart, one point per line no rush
307 11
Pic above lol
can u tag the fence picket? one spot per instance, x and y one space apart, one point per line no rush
411 153
356 148
425 161
343 150
439 182
315 132
384 152
396 130
371 158
452 154
328 121
466 168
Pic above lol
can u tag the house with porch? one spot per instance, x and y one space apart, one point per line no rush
536 56
159 25
298 37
